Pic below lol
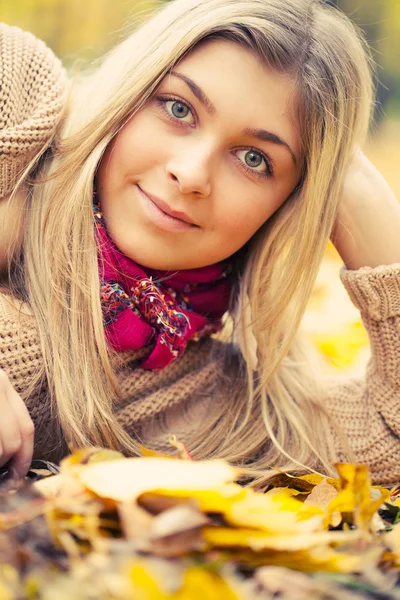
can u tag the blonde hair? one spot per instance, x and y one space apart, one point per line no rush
276 416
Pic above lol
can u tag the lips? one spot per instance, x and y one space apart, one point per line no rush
176 214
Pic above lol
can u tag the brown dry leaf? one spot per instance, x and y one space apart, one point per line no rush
174 532
322 494
304 484
178 519
173 546
157 503
135 521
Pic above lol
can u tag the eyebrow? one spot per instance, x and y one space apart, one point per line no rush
261 134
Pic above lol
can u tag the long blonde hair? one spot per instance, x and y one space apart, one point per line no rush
277 415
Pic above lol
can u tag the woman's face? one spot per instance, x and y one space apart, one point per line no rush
195 173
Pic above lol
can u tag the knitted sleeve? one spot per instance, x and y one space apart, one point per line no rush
32 86
368 410
21 358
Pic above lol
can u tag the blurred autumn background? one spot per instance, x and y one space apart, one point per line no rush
78 30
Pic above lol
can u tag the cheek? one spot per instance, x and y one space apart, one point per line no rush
241 219
137 144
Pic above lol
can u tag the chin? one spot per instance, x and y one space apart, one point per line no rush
159 263
161 259
162 265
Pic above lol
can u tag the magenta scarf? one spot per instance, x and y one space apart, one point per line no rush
142 306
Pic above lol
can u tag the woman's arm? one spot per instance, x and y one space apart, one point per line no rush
33 86
367 228
367 236
367 408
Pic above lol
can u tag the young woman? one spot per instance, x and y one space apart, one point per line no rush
200 172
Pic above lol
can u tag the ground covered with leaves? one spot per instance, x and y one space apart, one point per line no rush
115 528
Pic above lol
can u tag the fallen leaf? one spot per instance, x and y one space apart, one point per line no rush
321 494
176 520
126 479
356 495
259 540
135 521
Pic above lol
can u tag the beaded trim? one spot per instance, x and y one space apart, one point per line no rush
160 307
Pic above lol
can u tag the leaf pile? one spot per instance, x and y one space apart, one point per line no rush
115 528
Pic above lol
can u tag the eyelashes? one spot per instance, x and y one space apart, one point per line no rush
163 102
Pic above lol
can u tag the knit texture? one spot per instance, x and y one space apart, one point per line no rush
32 84
365 409
143 394
153 405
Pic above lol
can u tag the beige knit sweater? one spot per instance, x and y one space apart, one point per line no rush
32 85
367 409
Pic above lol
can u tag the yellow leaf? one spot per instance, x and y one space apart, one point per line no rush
355 495
321 558
90 455
124 480
8 581
258 540
152 453
215 500
274 513
200 584
144 586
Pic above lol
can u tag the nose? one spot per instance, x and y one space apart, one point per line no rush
189 170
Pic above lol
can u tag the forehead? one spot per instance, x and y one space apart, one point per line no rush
243 89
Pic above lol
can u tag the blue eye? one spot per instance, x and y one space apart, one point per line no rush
253 159
255 162
176 109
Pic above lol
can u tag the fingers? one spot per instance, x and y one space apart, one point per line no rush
16 429
22 459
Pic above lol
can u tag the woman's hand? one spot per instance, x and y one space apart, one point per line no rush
367 227
16 430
